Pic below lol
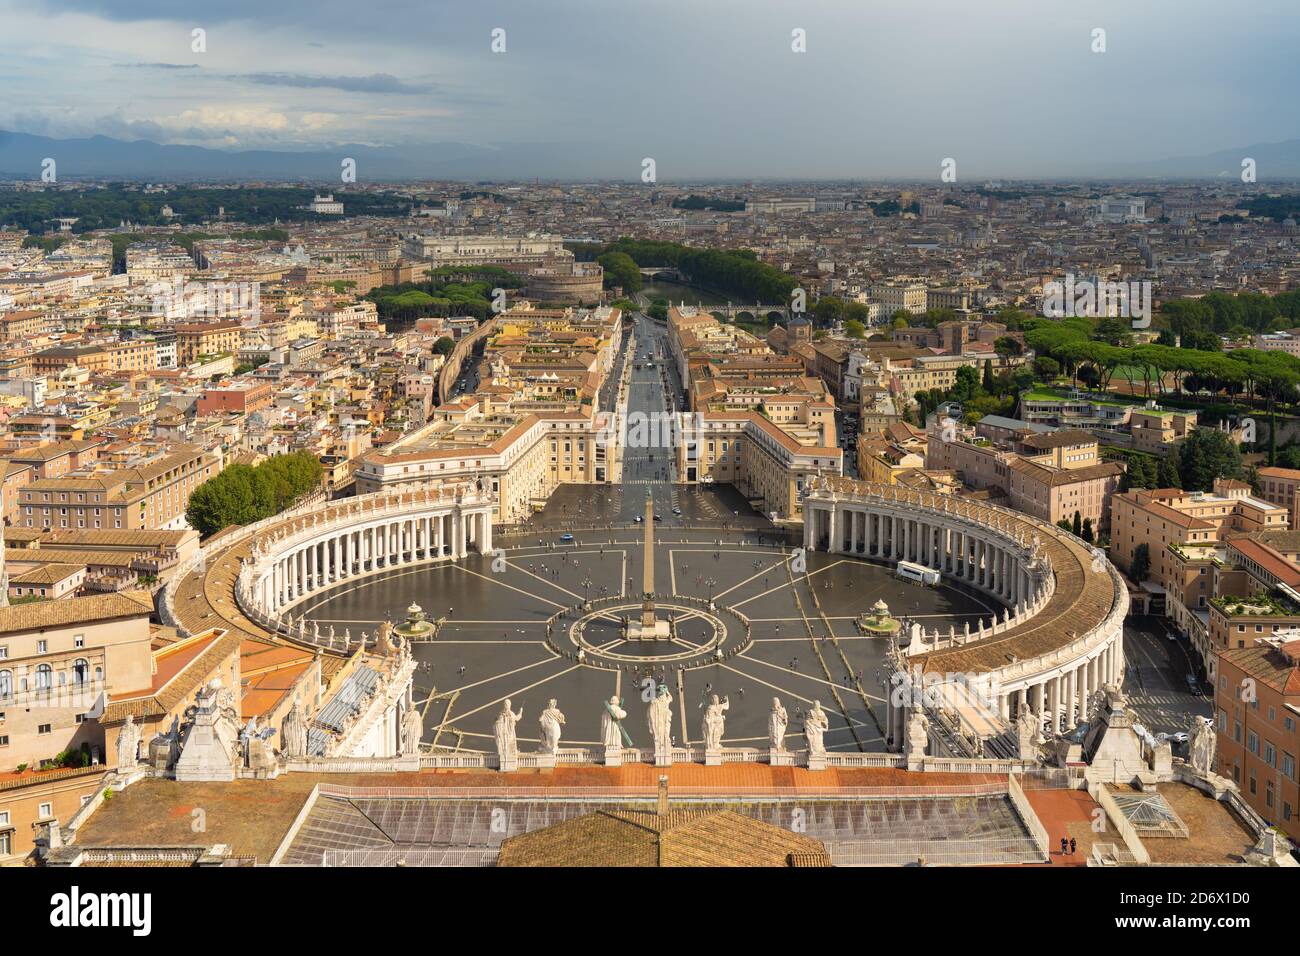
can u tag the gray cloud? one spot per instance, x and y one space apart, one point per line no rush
712 89
374 83
156 66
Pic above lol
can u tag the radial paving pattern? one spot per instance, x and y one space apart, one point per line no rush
803 643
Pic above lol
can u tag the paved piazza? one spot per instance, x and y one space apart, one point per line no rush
494 646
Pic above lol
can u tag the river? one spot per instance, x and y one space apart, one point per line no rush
675 292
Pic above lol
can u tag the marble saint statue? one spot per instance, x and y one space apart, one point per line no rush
412 730
612 733
1203 745
128 744
777 721
714 722
815 725
551 721
659 717
504 730
293 733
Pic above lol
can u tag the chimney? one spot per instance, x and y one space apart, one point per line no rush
662 807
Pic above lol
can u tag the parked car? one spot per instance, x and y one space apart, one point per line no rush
1193 684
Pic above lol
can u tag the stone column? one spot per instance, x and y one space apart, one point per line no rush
1040 701
1054 702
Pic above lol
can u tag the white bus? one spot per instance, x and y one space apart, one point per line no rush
912 571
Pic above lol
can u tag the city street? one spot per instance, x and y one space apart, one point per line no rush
1155 678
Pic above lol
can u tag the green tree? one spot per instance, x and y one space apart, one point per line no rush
1167 475
968 384
1087 530
1207 454
1077 525
1046 368
620 270
1141 566
241 495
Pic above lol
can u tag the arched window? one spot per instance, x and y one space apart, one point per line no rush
99 674
44 677
80 670
6 684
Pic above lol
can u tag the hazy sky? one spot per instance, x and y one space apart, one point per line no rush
709 88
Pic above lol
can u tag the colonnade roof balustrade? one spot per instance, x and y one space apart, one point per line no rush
202 594
1083 601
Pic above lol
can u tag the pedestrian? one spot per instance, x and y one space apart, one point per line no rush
1065 846
1073 846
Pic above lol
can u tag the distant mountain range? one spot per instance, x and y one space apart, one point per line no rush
100 157
21 155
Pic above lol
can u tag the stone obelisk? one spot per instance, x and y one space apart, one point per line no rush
650 628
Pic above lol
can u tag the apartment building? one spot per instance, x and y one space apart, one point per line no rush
765 461
1056 494
893 297
1050 475
1279 486
1257 719
1155 431
152 493
521 461
17 328
130 355
240 396
1162 517
58 661
195 339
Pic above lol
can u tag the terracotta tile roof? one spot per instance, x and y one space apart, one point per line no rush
70 611
180 668
1268 559
1276 667
677 838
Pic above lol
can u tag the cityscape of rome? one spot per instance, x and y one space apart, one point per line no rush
400 470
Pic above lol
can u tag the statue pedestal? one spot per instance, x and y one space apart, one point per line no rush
508 763
816 761
780 758
613 756
545 761
663 758
658 631
713 758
